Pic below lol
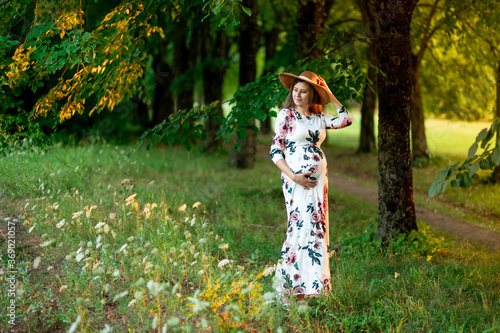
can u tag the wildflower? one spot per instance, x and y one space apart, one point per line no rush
36 262
223 246
63 287
202 240
182 208
193 221
396 275
120 295
154 287
99 225
269 270
116 273
124 246
106 228
74 325
31 229
79 257
132 302
201 272
131 198
196 204
56 207
61 223
112 216
223 263
77 214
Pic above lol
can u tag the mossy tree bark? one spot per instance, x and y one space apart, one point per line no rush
396 206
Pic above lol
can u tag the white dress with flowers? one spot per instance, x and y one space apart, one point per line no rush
304 267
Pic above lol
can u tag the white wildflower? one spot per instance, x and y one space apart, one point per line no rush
77 214
202 240
61 223
182 208
74 325
120 295
196 204
269 270
36 262
223 246
154 287
106 228
223 263
132 302
79 257
124 246
99 225
201 272
193 221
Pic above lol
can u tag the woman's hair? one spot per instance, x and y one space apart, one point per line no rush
314 105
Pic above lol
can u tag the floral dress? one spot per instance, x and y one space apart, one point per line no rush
303 267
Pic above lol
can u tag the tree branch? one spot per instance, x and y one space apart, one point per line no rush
55 21
425 39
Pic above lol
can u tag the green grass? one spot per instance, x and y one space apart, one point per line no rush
440 286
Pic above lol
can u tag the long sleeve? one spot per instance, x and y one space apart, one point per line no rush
343 119
277 151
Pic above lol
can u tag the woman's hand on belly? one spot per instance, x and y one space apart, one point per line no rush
303 180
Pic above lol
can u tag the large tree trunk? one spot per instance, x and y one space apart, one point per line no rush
214 55
310 22
181 64
248 47
163 102
367 134
496 170
419 140
271 40
396 206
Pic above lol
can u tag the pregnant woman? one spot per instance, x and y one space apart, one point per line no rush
303 268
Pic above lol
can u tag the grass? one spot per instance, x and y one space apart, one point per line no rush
159 260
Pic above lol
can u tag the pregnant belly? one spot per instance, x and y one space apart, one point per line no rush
316 168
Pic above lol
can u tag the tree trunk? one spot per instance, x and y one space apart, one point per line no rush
396 206
181 64
367 134
419 140
163 102
248 47
310 20
496 170
271 40
214 55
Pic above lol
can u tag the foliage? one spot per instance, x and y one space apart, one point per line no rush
421 243
464 173
253 100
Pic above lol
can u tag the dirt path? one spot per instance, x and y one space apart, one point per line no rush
447 223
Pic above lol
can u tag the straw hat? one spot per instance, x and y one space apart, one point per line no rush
287 79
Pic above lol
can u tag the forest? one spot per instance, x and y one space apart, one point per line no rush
137 193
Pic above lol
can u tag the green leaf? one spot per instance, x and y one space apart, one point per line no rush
434 189
86 35
482 135
154 137
472 150
495 155
247 10
473 169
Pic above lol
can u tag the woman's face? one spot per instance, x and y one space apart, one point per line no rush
301 94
